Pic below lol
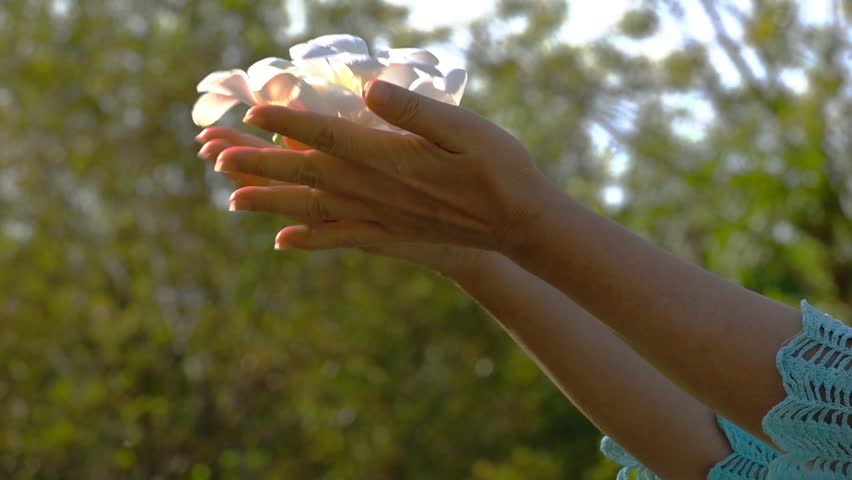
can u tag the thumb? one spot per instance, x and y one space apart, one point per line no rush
434 120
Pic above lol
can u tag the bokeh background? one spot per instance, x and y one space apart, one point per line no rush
147 333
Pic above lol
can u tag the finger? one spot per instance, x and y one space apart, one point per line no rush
335 136
213 148
293 144
447 125
300 201
233 136
304 167
321 171
210 150
325 236
246 180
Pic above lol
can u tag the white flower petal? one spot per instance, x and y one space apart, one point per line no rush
343 43
304 51
306 97
212 79
279 63
454 83
403 55
294 92
399 74
425 86
331 69
279 90
262 71
426 68
364 67
234 83
210 107
327 76
343 101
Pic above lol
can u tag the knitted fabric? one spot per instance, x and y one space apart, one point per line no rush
812 425
632 468
749 461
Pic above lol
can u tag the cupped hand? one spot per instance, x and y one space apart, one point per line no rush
452 261
458 180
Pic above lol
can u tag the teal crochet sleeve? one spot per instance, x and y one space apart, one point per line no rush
750 459
813 425
631 468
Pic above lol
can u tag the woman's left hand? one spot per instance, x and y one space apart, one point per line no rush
459 180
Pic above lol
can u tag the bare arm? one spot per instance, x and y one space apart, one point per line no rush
715 339
463 181
667 430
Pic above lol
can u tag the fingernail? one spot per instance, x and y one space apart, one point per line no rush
204 153
218 166
250 116
379 92
200 137
278 246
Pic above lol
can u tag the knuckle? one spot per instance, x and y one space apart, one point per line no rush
308 175
317 206
260 163
326 138
410 109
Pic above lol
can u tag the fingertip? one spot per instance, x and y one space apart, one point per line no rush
378 92
265 116
202 136
236 194
232 150
280 243
211 149
289 236
253 114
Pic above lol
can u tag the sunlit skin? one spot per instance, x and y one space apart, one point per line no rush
459 185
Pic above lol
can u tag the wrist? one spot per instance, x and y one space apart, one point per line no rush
468 264
488 270
544 207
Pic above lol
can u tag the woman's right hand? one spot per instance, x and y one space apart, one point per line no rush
449 260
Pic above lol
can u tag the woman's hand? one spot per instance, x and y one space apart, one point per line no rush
460 180
217 139
453 261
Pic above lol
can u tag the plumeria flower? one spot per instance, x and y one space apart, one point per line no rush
327 75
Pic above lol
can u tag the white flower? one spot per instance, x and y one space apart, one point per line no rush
326 75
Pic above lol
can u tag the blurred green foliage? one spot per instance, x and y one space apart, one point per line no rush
146 333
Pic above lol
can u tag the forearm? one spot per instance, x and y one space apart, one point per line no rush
666 429
713 338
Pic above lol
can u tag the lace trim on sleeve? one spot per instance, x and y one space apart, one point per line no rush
814 423
750 459
632 468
